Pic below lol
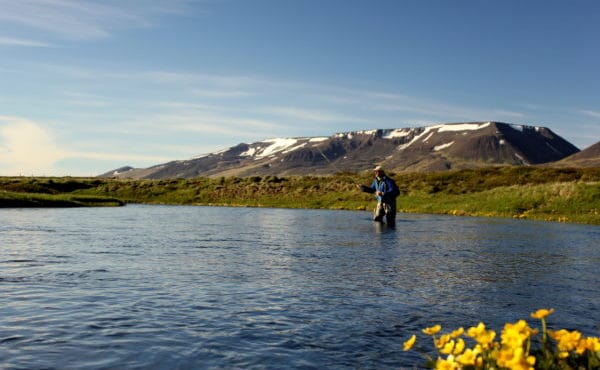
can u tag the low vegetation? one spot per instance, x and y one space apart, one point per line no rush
570 195
23 200
519 346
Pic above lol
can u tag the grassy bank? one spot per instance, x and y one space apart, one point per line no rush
571 195
23 200
564 202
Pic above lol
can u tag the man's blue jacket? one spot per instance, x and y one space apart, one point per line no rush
387 186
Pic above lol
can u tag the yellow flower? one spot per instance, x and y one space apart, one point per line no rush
557 334
447 348
476 330
457 333
514 335
542 313
514 359
432 330
567 340
439 343
410 342
481 335
459 347
512 351
469 357
593 344
588 344
447 364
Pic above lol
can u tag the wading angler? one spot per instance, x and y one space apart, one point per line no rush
386 191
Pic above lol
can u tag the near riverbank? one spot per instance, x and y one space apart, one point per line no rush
566 195
32 200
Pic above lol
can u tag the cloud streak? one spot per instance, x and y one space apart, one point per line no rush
11 41
208 123
302 114
176 109
80 19
590 113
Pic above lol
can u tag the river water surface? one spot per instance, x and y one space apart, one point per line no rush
143 287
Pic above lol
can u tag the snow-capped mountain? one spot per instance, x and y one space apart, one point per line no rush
431 148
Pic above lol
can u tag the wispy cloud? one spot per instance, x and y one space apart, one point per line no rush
86 99
122 157
222 94
173 109
11 41
68 19
83 19
412 109
194 78
590 113
308 102
257 97
303 114
430 109
208 123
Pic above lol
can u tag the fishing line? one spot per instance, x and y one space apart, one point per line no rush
327 159
334 165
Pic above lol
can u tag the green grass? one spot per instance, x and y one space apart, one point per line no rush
23 200
566 202
571 195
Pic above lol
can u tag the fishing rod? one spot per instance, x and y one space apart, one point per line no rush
327 159
335 166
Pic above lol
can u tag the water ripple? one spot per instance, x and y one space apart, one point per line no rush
184 287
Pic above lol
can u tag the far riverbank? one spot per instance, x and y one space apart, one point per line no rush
551 194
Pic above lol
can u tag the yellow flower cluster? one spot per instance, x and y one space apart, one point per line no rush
569 341
514 350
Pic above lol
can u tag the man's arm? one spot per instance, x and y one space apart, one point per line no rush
366 189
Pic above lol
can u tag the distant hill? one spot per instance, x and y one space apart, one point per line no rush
418 149
589 157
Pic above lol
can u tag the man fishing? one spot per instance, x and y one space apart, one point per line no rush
386 191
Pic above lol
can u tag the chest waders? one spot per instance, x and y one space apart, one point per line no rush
386 206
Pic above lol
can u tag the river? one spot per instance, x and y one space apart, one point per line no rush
171 287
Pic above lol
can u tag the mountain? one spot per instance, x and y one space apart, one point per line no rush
432 148
589 157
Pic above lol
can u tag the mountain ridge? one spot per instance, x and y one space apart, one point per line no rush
588 157
413 149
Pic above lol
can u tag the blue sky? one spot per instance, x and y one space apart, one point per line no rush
89 86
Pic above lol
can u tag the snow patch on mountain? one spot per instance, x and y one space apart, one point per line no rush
250 152
443 146
357 150
291 149
392 134
417 137
273 146
462 127
428 137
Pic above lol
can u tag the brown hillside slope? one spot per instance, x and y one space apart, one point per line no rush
589 157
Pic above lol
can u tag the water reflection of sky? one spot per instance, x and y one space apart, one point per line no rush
294 284
478 269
